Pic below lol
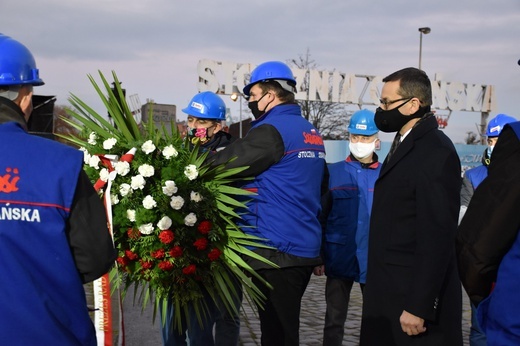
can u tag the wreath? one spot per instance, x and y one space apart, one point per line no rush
172 216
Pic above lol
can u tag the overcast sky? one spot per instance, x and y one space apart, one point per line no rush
154 45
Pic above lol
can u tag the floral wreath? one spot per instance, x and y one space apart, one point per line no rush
172 216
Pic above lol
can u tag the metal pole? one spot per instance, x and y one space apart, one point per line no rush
420 48
240 116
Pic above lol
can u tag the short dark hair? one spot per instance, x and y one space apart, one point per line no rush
412 83
282 94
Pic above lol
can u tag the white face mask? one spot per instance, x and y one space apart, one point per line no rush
362 150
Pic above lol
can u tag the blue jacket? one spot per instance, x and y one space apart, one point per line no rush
476 175
42 297
351 189
286 206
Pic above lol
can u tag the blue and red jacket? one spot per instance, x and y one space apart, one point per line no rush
346 229
286 206
42 296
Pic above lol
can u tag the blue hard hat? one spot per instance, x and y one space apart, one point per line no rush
362 123
272 70
206 105
17 65
496 125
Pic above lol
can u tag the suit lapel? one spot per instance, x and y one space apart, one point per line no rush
408 143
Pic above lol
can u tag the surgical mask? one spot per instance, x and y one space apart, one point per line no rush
392 120
362 150
253 106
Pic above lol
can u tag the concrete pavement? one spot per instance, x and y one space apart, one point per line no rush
139 330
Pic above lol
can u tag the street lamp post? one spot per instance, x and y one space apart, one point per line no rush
422 31
235 96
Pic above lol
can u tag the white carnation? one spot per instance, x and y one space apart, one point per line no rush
114 199
149 202
103 174
191 172
148 147
190 219
125 189
147 228
169 152
177 202
109 143
122 168
164 223
169 188
195 196
146 170
137 182
92 138
130 214
94 161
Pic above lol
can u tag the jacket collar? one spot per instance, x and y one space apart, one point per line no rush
10 112
373 165
425 125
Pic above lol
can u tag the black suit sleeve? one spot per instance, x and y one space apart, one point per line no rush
87 232
492 221
262 147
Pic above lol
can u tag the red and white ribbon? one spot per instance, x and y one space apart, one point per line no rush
103 315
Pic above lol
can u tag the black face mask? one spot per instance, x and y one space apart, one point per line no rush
253 106
393 120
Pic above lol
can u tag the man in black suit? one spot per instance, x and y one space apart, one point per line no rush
413 294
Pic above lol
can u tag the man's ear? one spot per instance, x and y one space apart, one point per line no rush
218 127
24 100
415 104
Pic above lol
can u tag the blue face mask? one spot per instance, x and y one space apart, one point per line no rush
489 150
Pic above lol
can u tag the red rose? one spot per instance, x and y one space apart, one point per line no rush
214 254
176 251
122 261
166 236
157 253
204 227
201 244
165 265
146 264
133 233
131 255
189 269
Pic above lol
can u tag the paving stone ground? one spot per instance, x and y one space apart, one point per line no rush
139 330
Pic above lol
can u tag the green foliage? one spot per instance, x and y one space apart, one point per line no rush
173 217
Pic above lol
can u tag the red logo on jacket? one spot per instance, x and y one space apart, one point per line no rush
312 138
9 180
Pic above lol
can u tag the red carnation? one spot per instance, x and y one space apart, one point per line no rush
131 255
201 244
166 236
122 261
157 253
204 227
146 264
214 254
176 251
133 233
189 269
165 265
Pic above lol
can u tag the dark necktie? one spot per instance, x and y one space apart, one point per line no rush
393 147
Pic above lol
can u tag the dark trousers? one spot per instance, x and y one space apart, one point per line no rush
280 316
226 324
337 295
